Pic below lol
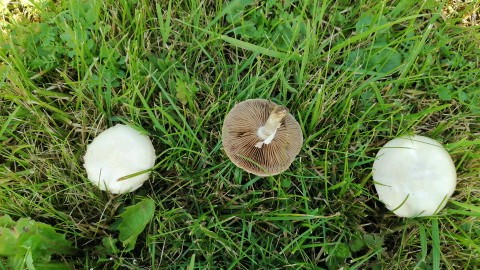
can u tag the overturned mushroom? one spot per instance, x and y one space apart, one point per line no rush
119 159
261 137
414 176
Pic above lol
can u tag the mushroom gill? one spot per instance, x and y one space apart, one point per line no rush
241 139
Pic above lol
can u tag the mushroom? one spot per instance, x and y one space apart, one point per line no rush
261 137
119 159
414 176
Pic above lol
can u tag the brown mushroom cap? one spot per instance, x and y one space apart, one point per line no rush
239 135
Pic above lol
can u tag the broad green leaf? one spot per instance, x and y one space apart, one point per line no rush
286 183
24 225
6 221
53 242
134 220
357 58
474 104
356 244
234 10
42 241
28 244
247 30
443 93
373 241
386 60
185 91
368 20
462 96
7 242
109 245
365 21
29 260
342 251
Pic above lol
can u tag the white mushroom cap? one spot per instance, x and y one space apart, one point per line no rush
414 176
118 152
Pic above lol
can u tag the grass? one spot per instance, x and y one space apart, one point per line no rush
353 75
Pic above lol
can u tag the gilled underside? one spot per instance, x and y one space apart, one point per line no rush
240 137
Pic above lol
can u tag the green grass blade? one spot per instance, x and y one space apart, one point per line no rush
436 252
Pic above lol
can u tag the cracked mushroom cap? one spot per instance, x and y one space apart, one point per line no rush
261 137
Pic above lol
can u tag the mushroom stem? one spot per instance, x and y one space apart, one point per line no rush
267 132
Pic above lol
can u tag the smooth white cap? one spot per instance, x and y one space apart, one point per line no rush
117 152
416 171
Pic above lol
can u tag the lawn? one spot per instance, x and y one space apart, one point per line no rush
354 74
